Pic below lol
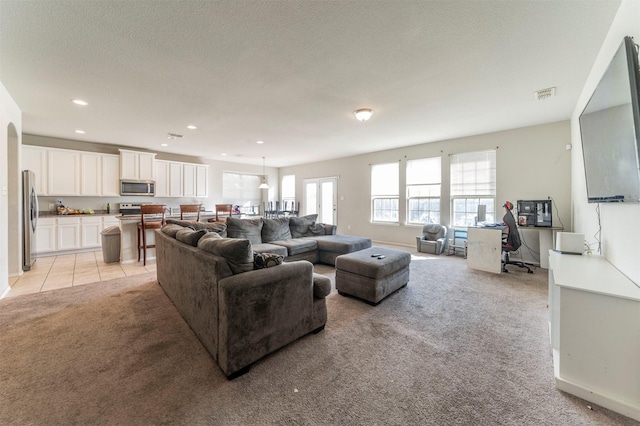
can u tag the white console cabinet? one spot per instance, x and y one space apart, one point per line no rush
594 323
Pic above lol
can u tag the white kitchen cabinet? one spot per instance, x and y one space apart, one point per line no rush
90 174
175 179
71 233
108 221
64 172
202 177
188 180
162 178
90 229
110 175
135 165
147 166
46 235
68 230
34 158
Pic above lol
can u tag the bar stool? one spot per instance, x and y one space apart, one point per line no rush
151 217
222 212
190 209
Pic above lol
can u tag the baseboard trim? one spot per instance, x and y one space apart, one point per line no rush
597 398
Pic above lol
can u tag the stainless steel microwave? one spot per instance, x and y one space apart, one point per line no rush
137 187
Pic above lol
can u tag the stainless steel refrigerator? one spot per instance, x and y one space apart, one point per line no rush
30 219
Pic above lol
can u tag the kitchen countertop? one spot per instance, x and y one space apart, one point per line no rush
48 213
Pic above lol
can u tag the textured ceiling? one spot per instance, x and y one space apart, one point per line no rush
291 73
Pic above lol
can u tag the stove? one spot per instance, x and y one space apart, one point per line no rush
130 209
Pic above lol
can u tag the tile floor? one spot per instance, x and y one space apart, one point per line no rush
50 273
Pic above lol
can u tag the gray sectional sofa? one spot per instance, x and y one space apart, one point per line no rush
294 238
241 313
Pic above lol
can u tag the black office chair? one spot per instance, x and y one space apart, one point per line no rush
512 241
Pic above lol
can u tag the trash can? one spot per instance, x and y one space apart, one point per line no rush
111 244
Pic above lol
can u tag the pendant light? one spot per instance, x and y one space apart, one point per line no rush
263 185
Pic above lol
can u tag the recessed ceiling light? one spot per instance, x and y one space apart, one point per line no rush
259 142
80 131
191 127
223 154
164 144
80 102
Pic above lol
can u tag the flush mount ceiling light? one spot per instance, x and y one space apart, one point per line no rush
81 132
263 185
363 114
80 102
191 127
260 143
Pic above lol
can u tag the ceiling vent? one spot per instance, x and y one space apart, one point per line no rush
173 136
543 94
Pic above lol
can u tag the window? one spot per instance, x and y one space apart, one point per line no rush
240 189
288 192
384 192
423 190
473 182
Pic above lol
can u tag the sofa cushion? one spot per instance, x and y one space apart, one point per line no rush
190 236
266 260
299 226
297 245
250 229
236 251
270 248
275 229
341 243
217 227
172 229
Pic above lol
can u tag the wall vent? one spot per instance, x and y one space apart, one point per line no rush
173 136
543 94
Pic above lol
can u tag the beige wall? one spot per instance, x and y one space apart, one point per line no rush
532 163
620 234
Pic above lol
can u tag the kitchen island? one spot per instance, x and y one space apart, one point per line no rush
129 235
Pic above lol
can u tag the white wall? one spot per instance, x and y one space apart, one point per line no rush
10 210
620 235
532 163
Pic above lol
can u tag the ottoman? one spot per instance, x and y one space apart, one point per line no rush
370 278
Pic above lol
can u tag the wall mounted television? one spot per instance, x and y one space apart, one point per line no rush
610 129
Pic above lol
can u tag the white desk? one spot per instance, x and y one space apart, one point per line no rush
594 325
546 241
484 248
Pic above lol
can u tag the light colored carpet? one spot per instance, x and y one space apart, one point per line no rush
453 347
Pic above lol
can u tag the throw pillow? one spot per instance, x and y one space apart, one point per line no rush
266 260
237 252
171 229
190 236
251 229
218 227
316 229
275 230
299 226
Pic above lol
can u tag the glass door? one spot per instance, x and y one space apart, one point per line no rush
321 198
